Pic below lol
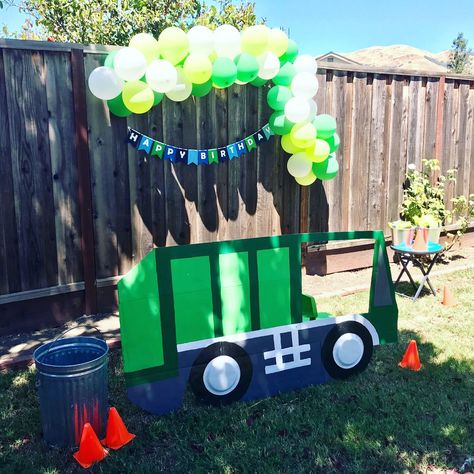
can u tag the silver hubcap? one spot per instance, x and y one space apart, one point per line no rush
221 375
348 350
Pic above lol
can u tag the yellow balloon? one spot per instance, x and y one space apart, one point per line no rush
173 44
307 180
138 97
303 135
277 41
288 145
197 68
254 39
318 151
148 45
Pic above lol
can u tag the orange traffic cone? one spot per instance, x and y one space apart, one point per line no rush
420 243
117 433
90 449
411 360
448 297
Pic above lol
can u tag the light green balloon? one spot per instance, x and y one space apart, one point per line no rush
278 96
279 124
334 142
224 72
200 90
327 169
173 44
197 68
254 39
307 180
109 60
247 67
325 125
138 97
290 54
148 45
285 75
118 107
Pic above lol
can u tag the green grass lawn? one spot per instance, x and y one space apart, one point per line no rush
385 420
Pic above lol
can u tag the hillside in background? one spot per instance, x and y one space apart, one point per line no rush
402 56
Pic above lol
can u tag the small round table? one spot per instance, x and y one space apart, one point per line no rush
407 255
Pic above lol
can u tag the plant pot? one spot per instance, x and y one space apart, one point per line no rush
403 236
430 234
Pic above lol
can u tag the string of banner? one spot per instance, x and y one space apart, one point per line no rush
198 157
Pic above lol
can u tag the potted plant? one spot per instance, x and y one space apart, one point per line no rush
403 232
424 204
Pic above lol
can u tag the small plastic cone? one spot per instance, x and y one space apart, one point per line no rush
419 244
448 297
411 360
90 449
117 434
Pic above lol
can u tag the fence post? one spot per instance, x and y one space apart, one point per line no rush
439 119
84 179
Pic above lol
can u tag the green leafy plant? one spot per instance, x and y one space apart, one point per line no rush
424 199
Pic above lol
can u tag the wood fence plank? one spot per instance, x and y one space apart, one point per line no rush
430 119
30 153
10 279
449 130
61 127
462 164
469 156
376 184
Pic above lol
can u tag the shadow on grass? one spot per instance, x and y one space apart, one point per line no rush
405 288
385 420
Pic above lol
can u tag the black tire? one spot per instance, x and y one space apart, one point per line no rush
332 368
196 377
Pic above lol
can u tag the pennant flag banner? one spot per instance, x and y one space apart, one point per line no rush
198 157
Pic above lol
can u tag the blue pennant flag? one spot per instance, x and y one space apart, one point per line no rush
182 155
259 137
134 137
171 153
267 131
192 157
145 144
222 154
202 157
241 148
232 151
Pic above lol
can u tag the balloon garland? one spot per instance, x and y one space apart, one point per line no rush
179 64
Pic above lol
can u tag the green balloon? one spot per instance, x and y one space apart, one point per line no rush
290 54
117 107
224 72
109 60
200 90
285 75
333 142
325 125
247 67
158 97
279 124
258 82
327 169
278 96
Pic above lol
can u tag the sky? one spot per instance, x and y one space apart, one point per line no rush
320 26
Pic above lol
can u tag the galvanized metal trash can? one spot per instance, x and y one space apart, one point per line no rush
72 388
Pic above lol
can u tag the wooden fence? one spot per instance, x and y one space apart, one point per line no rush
78 206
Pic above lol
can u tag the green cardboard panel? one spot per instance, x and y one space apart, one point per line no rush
274 287
192 296
142 344
235 292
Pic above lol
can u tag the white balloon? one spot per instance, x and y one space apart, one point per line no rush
104 83
161 76
130 64
269 65
304 84
183 87
313 109
305 63
297 109
299 165
201 40
227 41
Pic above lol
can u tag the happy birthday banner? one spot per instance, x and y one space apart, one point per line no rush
198 157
